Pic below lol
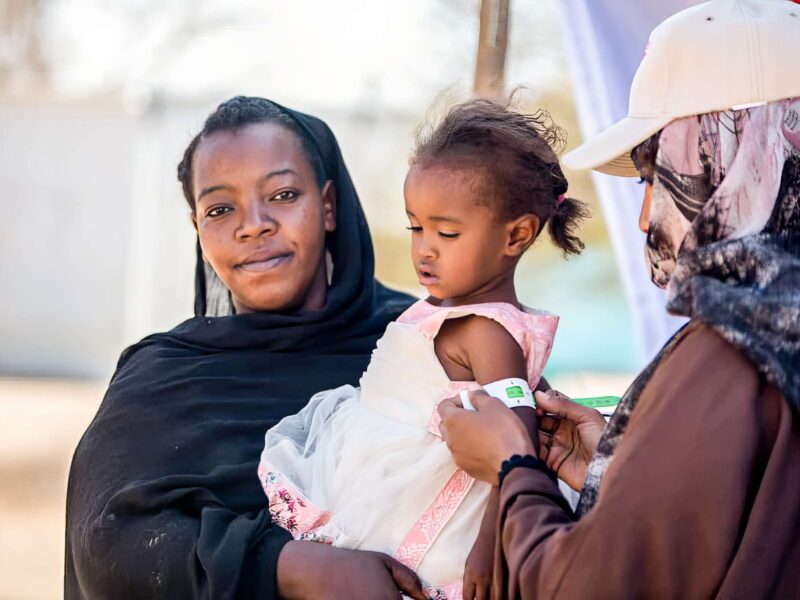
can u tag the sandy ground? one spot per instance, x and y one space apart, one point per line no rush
41 425
42 422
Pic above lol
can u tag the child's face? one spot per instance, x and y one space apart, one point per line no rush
458 245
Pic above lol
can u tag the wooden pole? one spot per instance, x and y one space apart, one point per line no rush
20 31
492 43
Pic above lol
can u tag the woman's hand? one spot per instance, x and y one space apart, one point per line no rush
319 571
481 440
568 440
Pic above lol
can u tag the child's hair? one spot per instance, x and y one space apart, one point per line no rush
515 156
236 113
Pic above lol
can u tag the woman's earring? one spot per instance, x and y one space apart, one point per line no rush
329 266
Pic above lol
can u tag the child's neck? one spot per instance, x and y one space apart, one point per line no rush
499 289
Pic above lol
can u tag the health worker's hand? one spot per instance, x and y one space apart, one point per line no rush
481 440
568 436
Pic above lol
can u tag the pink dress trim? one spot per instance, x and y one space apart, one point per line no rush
290 509
454 591
412 549
420 538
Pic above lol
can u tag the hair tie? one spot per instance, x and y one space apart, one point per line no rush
560 199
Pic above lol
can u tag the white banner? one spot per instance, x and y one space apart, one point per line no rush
605 42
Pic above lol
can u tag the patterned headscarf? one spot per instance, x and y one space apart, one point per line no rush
724 240
715 177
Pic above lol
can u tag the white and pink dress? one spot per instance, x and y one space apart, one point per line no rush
366 467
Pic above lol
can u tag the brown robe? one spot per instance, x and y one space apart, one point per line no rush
701 500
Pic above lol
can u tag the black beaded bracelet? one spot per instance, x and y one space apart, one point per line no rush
528 461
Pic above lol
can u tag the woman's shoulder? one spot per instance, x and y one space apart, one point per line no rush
703 371
707 379
154 345
702 345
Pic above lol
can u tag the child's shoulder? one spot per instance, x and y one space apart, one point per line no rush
487 318
477 332
489 337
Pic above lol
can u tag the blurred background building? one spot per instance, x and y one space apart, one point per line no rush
98 100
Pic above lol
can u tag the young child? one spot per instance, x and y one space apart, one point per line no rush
366 467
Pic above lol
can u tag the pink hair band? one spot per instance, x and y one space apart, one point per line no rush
560 199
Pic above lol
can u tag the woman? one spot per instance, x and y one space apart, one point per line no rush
691 490
164 500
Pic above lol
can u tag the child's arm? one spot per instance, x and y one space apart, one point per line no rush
479 349
480 562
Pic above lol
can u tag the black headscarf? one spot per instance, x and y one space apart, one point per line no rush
163 498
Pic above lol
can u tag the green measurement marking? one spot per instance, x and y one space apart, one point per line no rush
598 401
515 392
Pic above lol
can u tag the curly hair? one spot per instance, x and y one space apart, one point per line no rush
236 113
515 156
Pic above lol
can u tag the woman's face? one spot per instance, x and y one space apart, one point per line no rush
262 218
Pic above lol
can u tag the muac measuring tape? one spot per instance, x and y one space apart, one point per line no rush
515 392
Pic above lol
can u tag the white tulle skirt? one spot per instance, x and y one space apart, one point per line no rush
365 468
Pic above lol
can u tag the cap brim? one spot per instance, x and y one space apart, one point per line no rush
610 152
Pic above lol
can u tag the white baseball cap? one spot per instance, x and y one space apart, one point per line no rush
719 55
